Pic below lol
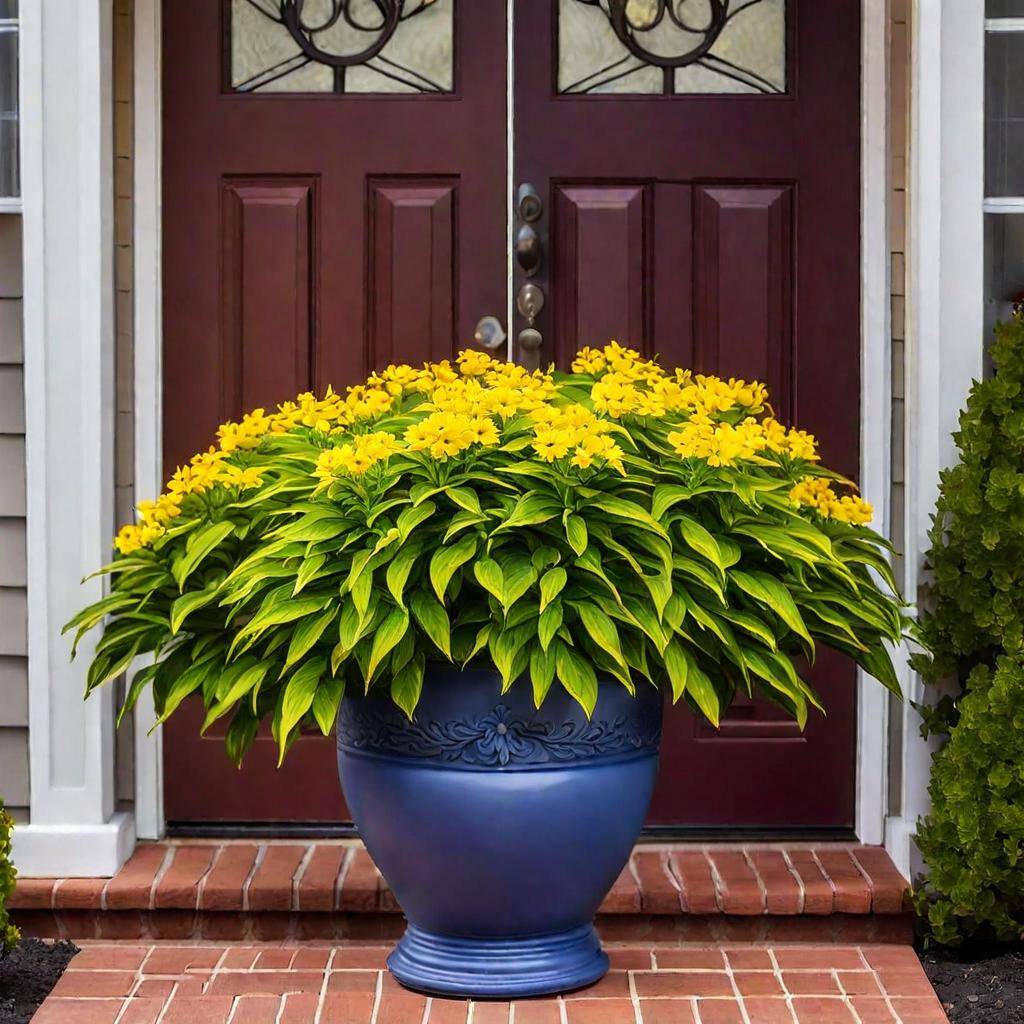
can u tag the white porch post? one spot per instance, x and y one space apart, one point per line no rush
945 307
67 174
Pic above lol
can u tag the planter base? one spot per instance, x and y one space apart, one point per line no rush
498 968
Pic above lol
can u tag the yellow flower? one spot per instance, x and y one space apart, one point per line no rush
589 360
473 363
128 539
551 444
245 479
484 431
816 493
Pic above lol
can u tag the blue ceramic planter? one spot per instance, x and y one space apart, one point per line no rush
500 828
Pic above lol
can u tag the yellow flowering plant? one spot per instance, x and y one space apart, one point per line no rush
620 520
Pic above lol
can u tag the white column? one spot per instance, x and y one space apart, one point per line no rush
945 321
67 179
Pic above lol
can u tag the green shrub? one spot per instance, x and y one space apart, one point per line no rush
974 837
977 537
8 933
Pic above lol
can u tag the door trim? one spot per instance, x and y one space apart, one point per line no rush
875 405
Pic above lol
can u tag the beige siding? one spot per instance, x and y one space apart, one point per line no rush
13 613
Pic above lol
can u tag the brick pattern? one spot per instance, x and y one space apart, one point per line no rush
747 881
220 984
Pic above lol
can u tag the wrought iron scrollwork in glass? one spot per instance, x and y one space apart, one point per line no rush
342 46
672 46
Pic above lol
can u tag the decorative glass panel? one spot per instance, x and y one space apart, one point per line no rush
1004 114
342 46
672 46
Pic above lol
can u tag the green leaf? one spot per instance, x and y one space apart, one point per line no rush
531 510
630 511
577 676
519 575
397 574
447 560
298 699
465 498
665 496
306 634
551 585
192 601
241 683
433 620
542 672
548 623
601 630
326 702
410 518
309 568
198 546
677 666
240 734
700 540
489 575
576 533
769 591
386 637
407 685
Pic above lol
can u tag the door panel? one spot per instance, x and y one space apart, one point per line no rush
744 287
269 289
720 230
601 258
316 229
413 272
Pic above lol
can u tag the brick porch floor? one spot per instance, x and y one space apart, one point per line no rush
125 983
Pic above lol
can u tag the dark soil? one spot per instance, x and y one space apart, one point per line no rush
984 986
27 974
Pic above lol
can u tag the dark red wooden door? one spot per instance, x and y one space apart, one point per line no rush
311 235
720 230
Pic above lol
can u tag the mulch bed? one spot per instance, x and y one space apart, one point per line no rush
27 974
984 986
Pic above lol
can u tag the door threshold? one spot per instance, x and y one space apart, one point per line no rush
651 834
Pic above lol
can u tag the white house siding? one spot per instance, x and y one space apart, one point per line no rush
124 475
14 787
899 110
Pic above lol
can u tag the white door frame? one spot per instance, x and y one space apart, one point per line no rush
875 370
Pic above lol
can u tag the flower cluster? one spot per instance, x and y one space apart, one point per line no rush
816 493
586 424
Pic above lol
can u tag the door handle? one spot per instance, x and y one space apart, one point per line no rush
489 332
528 250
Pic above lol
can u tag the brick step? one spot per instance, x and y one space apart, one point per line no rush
330 890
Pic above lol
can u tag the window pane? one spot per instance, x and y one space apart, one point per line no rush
671 46
1004 114
1004 8
9 185
342 46
1004 266
8 8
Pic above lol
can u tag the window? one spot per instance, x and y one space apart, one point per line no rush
10 178
672 47
1004 158
341 46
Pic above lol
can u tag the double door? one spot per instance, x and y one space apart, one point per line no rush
350 183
